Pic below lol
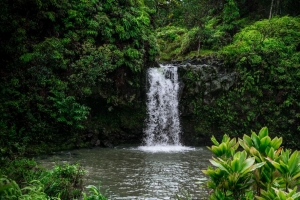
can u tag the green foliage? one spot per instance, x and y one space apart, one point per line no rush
226 149
56 56
261 168
24 179
94 193
64 181
181 43
9 189
279 194
230 15
233 175
189 40
169 40
264 57
21 170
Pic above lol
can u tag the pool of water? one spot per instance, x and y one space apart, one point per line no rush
129 173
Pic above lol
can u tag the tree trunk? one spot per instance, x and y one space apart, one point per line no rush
270 15
199 45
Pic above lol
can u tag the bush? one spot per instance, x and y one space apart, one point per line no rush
24 179
261 168
64 181
94 193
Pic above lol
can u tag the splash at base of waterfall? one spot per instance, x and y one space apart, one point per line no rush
165 148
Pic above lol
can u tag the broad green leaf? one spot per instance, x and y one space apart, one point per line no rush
214 149
223 147
285 155
255 140
293 161
264 142
244 145
296 176
284 168
225 138
254 152
257 165
235 146
247 164
243 156
270 153
281 194
263 132
276 142
214 140
219 165
248 140
232 142
297 195
277 166
235 165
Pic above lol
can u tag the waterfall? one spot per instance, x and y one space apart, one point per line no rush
162 125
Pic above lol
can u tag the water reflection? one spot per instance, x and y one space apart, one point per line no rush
130 173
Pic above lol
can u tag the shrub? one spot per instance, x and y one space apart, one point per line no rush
64 181
24 179
93 193
262 168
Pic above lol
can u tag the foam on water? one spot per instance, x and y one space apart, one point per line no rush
165 148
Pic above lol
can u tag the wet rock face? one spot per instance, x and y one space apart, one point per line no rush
207 77
203 81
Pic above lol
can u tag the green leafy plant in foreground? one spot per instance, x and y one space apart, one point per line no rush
10 190
261 168
94 193
275 194
30 182
64 181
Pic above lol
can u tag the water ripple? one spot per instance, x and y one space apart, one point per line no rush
138 173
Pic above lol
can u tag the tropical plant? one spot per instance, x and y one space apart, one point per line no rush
262 169
232 176
226 149
275 194
9 189
288 166
93 193
64 181
262 147
263 58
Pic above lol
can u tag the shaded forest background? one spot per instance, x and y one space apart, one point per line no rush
73 71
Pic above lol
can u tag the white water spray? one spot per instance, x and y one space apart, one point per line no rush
162 132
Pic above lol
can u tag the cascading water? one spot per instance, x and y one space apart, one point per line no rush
163 126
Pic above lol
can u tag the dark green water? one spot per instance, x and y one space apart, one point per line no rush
131 173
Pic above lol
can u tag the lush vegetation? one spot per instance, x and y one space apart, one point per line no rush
261 168
210 25
24 179
260 44
73 75
265 59
71 71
